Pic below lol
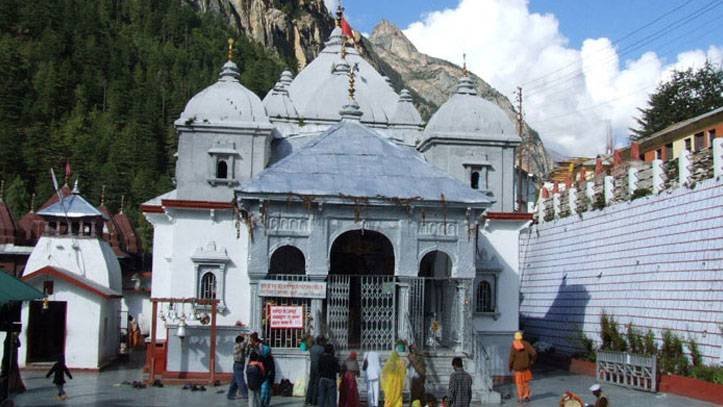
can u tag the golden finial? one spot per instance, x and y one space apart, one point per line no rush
352 80
230 49
343 50
102 195
464 65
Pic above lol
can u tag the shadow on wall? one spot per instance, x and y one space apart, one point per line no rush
563 322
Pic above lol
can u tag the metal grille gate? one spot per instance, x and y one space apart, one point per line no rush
378 311
337 311
416 310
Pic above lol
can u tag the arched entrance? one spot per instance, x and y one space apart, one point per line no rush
362 295
439 295
287 260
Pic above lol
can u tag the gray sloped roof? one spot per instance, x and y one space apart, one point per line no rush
352 160
72 206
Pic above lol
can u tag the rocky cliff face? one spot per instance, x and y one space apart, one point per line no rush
432 80
296 29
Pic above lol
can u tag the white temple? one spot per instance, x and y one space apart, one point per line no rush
330 208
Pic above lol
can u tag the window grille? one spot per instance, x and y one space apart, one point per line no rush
484 297
208 286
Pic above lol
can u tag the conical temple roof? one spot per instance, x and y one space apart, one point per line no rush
352 160
72 206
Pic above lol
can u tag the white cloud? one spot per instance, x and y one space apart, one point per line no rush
507 45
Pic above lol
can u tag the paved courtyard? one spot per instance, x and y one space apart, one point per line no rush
105 389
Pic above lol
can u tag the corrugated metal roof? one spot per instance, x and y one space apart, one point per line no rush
72 206
352 160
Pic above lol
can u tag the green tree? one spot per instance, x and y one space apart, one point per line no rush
687 94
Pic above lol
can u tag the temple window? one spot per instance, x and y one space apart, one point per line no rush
207 288
474 182
221 169
486 295
477 175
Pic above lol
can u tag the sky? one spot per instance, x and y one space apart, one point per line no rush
585 66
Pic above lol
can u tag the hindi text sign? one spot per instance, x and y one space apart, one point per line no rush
283 317
292 289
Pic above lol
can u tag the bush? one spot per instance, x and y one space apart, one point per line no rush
671 357
635 340
609 334
713 374
649 345
695 356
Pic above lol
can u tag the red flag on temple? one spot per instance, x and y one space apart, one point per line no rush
346 28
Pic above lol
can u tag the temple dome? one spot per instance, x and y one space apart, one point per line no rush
467 115
406 113
225 102
321 86
277 102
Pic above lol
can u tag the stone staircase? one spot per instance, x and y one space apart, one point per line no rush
439 369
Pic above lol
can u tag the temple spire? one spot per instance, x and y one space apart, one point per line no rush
339 13
102 195
32 203
464 65
230 49
351 110
123 201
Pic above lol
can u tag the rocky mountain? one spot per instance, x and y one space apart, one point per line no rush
433 80
297 29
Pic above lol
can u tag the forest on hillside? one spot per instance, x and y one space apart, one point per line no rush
99 83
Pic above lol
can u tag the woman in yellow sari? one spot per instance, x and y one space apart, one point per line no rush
393 376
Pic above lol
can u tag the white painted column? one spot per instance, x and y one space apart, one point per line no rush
608 188
572 200
658 180
632 180
718 157
590 191
256 304
403 311
541 209
462 317
684 168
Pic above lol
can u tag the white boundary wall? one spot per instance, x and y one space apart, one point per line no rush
656 262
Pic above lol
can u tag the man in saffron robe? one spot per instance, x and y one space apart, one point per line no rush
522 357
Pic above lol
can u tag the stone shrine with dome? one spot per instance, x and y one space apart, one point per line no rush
329 207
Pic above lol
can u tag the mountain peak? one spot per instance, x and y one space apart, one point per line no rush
390 37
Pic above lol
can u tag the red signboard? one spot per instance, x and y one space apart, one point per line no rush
281 317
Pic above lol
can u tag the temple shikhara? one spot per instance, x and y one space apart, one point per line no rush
330 208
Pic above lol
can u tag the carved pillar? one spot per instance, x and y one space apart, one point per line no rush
658 180
684 167
317 305
403 322
256 304
461 314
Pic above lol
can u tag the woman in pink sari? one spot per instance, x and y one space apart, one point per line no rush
348 392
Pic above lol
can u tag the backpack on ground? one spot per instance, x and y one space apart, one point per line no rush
254 375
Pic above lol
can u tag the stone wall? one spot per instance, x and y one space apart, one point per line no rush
656 261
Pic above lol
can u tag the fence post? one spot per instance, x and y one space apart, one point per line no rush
658 181
632 180
590 191
684 168
718 157
572 200
608 188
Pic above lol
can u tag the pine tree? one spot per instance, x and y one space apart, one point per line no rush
689 93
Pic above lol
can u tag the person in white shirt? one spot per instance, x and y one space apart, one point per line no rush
372 367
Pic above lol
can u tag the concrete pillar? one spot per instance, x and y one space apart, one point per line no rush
590 191
317 306
608 188
461 314
684 167
632 180
658 180
572 200
403 321
256 304
718 157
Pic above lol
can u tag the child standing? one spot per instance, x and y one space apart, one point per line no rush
60 370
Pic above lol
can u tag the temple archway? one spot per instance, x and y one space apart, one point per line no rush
439 295
360 304
287 260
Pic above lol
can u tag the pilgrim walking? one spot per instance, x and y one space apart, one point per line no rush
372 368
522 357
59 370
